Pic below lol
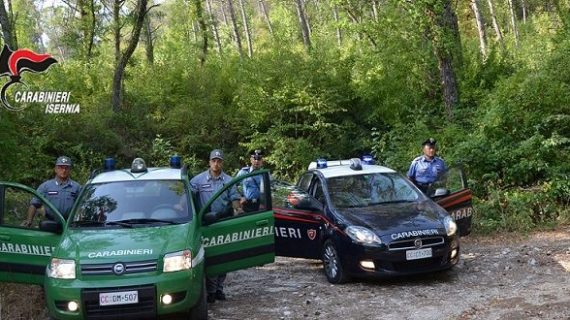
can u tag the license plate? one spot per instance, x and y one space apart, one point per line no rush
418 254
121 297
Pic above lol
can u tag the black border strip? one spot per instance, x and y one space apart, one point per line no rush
238 255
22 268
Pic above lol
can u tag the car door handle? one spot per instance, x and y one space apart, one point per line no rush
262 222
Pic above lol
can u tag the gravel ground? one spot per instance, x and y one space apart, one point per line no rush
498 277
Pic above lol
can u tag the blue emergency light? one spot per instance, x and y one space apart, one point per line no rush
321 163
109 164
368 159
175 162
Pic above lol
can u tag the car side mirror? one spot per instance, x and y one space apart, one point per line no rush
51 226
210 217
440 192
309 205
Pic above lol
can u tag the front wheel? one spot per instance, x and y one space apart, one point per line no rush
332 265
200 310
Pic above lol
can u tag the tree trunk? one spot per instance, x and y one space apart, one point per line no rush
337 22
214 27
447 49
203 30
93 25
235 28
148 40
117 29
480 27
303 24
246 29
117 97
13 24
514 22
224 15
496 24
523 5
375 10
7 28
266 16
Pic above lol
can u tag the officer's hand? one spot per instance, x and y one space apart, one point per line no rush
242 201
26 223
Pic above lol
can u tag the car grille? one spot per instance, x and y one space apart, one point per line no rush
410 243
107 268
144 309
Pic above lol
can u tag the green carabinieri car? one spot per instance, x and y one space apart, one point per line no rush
136 244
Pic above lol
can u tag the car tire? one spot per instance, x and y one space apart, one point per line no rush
332 265
200 310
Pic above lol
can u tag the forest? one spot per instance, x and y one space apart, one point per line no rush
303 79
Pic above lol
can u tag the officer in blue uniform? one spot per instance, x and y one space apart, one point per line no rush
427 168
251 186
205 185
61 191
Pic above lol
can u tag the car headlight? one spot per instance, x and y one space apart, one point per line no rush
363 236
450 226
176 261
61 269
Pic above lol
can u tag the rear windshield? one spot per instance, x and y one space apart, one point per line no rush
138 202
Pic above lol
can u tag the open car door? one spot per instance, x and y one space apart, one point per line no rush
451 192
24 251
237 241
299 222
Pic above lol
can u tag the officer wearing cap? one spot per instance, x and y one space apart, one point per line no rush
426 168
205 185
61 191
251 186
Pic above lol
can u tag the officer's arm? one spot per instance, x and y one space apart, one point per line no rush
34 205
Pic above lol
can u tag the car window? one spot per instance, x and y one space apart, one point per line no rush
305 181
318 192
285 195
370 189
15 207
126 200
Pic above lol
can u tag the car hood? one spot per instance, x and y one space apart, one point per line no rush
122 244
396 221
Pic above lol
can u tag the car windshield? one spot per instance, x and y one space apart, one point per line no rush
370 189
133 203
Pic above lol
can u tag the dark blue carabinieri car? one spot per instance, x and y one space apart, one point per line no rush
365 220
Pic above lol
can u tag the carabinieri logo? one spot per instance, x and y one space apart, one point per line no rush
14 63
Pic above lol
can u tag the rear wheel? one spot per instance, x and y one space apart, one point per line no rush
332 265
200 310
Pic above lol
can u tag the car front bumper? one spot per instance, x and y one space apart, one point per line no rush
383 261
183 286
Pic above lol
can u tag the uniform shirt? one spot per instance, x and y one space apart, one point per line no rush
424 171
250 185
206 185
61 194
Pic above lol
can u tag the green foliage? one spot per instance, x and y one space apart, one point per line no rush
511 131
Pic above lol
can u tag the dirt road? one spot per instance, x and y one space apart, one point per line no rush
500 277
